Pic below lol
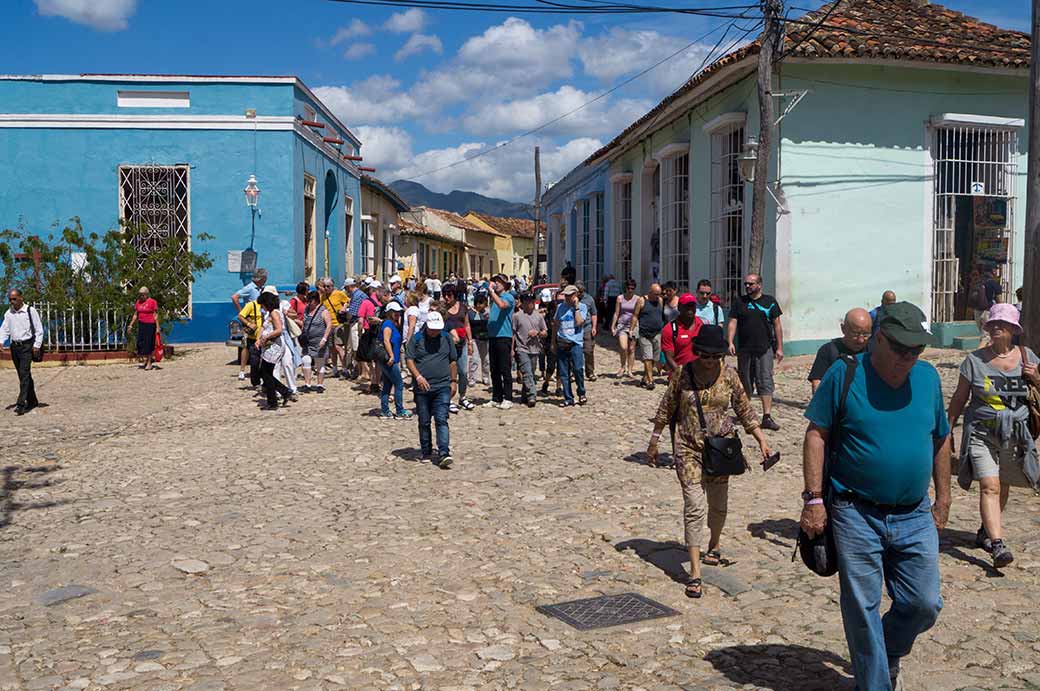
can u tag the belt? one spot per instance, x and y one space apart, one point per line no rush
22 342
852 496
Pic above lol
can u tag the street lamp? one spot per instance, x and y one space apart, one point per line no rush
746 162
252 192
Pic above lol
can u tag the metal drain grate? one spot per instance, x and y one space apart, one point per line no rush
607 610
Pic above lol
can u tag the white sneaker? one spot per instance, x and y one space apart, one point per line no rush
490 404
505 405
241 376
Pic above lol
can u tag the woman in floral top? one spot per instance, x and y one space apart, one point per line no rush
719 389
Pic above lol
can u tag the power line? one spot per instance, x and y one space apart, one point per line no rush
868 87
809 35
601 96
546 7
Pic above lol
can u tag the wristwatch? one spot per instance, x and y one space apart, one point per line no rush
809 495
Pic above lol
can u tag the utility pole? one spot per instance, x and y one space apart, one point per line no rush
538 212
771 43
1031 284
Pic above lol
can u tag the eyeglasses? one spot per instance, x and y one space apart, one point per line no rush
748 285
859 335
707 293
711 356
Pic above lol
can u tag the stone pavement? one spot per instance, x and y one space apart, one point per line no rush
157 532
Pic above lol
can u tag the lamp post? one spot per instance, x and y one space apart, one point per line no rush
252 192
747 160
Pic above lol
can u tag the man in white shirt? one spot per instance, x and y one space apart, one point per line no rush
23 328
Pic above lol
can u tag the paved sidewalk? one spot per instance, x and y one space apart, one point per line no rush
220 547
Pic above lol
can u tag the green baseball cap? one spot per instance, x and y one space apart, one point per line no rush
904 323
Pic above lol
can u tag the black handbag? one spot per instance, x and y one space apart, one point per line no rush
721 455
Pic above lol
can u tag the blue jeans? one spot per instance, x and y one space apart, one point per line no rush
391 378
463 369
900 548
570 362
433 404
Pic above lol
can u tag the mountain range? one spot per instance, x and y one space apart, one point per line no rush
459 201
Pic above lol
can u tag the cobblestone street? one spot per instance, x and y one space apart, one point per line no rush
216 547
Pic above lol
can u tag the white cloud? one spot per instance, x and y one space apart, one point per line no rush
621 52
353 30
375 100
385 148
107 15
507 173
359 50
417 43
604 117
511 59
406 22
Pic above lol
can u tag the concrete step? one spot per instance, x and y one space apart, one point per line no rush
966 342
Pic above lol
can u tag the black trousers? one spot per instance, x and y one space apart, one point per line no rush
254 363
272 387
21 355
499 352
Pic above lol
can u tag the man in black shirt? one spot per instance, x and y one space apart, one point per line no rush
856 330
757 339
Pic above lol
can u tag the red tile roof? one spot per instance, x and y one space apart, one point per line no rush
520 227
909 30
458 221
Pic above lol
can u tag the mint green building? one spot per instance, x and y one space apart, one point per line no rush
898 164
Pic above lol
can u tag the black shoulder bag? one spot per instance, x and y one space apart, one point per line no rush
820 553
721 455
37 353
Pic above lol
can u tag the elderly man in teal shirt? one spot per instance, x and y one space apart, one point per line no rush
891 441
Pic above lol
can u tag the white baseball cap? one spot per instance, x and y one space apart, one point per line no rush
270 289
435 321
366 281
349 282
375 284
546 295
394 306
394 279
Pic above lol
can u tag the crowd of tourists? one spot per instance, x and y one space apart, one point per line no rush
878 434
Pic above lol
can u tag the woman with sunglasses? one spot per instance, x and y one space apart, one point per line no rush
623 327
719 390
997 449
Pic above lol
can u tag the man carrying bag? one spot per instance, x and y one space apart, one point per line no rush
892 441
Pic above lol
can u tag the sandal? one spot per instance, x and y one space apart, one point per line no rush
582 400
714 558
694 588
566 404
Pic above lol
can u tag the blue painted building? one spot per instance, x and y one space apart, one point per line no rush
580 210
175 153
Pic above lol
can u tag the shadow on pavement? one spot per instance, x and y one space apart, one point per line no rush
771 529
18 478
412 455
667 556
988 568
790 403
664 460
782 667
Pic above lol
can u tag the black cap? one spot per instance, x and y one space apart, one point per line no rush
819 553
904 323
526 296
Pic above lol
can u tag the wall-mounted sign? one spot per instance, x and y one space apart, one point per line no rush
978 188
248 261
234 261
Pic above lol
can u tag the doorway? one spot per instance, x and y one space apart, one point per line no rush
974 206
309 241
331 200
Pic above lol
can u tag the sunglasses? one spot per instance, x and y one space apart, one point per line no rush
711 356
905 352
708 292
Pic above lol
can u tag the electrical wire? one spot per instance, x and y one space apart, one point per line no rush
809 35
545 7
599 97
868 87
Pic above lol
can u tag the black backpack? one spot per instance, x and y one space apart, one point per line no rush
820 553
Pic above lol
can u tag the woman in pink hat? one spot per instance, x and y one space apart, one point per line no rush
997 448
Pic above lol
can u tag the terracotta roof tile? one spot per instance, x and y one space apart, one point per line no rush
409 228
520 227
911 30
456 220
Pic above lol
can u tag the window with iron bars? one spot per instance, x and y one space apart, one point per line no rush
157 201
585 223
592 285
623 230
675 233
727 214
367 248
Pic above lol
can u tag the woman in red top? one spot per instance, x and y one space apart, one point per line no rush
145 311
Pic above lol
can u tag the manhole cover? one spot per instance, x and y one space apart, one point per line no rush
607 610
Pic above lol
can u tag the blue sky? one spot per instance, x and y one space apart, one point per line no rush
422 89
